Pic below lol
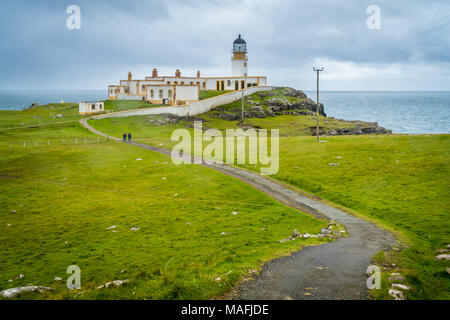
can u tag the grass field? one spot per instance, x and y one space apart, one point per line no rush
62 187
399 181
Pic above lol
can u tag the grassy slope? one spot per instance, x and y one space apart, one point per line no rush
66 195
410 195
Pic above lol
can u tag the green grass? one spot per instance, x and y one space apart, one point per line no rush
205 94
399 181
60 194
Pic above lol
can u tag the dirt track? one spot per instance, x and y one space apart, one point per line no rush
334 270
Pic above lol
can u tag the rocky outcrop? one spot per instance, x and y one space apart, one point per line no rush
15 292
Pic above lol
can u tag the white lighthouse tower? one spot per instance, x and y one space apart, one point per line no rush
239 58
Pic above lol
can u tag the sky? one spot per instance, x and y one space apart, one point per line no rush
285 40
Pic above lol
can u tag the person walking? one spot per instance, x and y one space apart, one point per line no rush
129 136
125 137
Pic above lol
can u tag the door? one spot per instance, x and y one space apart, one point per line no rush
223 85
243 84
217 85
236 85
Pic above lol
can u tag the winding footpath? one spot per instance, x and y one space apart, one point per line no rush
335 270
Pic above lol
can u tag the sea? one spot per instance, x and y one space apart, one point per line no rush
406 112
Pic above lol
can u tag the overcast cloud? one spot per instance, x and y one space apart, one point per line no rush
285 39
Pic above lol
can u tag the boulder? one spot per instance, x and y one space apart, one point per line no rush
295 234
443 257
400 286
397 278
115 283
397 294
15 292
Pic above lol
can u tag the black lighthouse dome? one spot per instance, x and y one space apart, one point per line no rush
239 45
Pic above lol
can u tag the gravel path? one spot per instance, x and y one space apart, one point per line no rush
335 270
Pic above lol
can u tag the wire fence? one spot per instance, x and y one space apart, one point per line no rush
52 142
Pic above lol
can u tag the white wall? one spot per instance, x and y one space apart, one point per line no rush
192 109
238 68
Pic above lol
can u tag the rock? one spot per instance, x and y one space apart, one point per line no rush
296 234
332 223
397 278
58 116
13 211
235 213
123 271
443 257
14 292
34 105
57 279
441 250
115 283
400 286
112 227
325 231
138 159
217 279
135 229
334 164
224 233
397 294
19 277
448 271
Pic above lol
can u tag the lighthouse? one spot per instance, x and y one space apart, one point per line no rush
239 58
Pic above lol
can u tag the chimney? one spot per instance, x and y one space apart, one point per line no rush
178 73
198 74
154 73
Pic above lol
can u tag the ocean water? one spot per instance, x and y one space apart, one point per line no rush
17 100
400 111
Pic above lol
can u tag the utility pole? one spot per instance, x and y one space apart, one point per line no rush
317 70
242 103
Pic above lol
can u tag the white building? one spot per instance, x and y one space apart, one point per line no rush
91 107
178 90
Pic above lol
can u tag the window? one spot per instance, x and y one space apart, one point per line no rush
229 83
161 92
168 82
152 93
182 82
176 82
204 84
93 107
143 87
245 64
170 93
192 82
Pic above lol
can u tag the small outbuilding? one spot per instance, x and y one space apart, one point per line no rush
91 107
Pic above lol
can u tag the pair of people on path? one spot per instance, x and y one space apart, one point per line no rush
125 135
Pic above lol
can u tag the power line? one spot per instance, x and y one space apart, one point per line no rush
406 35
